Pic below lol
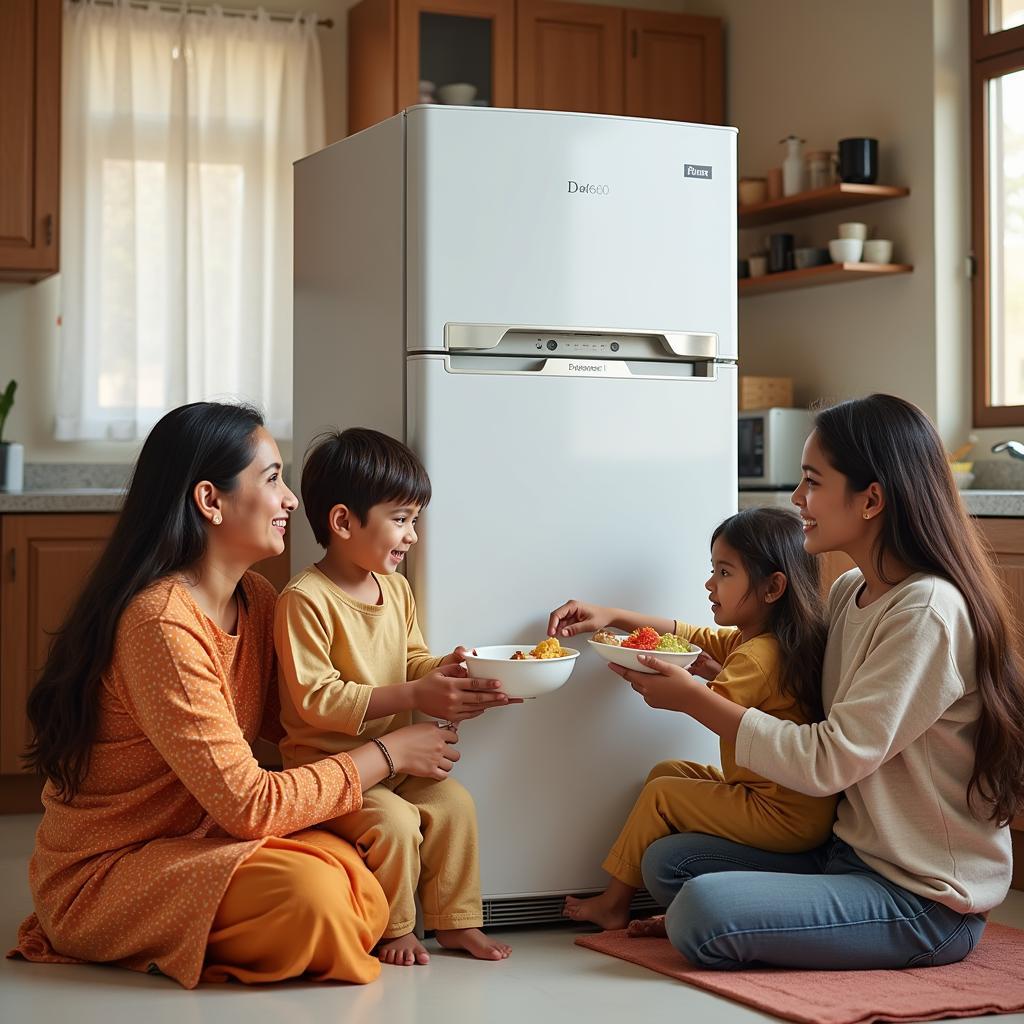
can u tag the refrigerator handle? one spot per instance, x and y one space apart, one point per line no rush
482 337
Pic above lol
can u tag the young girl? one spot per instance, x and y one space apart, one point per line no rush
924 730
765 588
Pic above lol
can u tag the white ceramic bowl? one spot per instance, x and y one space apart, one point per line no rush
878 250
845 250
459 94
533 677
853 229
628 657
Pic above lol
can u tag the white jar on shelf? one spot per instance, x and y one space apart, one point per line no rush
793 166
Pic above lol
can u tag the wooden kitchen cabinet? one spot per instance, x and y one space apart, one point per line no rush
569 57
394 44
46 559
535 54
1006 538
675 68
30 61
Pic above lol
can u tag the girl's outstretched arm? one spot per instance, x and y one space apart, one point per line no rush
575 617
674 689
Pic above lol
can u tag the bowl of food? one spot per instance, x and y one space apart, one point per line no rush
524 672
625 650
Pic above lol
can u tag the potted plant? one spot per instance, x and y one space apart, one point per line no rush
12 456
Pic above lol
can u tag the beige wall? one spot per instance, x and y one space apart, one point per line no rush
827 69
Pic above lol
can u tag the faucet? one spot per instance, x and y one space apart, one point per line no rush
1014 448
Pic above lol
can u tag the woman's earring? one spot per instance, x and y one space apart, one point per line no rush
866 516
216 520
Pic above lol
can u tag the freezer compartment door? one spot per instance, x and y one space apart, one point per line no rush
548 487
543 217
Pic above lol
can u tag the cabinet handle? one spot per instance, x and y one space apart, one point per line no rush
48 228
634 41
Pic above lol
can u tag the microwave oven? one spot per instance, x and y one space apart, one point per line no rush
771 442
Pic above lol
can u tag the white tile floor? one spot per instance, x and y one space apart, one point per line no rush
547 978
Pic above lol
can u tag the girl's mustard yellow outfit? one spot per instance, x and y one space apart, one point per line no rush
731 802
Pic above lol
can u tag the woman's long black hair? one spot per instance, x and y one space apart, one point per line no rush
771 540
159 531
886 440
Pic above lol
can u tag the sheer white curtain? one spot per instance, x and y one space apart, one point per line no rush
179 132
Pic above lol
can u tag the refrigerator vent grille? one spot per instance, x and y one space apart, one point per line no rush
513 910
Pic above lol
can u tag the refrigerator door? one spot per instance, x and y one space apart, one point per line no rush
548 487
541 217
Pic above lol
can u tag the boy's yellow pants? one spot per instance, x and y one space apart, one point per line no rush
304 905
419 836
680 796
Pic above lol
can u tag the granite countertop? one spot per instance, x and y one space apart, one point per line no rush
63 499
1006 504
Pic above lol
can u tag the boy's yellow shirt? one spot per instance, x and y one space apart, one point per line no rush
331 651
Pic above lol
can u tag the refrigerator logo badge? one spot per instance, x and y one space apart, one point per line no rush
584 189
697 171
587 367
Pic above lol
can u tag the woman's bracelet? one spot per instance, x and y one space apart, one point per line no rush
387 757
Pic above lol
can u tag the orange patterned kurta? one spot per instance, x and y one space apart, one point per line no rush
133 869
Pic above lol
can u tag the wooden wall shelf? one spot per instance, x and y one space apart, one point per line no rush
830 273
821 200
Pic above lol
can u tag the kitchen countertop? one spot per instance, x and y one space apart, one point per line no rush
63 499
998 504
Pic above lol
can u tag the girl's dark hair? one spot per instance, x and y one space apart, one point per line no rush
358 468
886 440
770 540
159 531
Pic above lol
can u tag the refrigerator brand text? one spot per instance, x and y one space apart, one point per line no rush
697 171
587 367
588 190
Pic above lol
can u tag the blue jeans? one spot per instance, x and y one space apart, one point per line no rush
731 905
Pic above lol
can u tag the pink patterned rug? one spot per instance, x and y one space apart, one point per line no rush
990 980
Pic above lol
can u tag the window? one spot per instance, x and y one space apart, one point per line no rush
997 186
179 132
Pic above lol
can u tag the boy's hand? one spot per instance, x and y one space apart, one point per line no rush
458 656
576 617
449 694
423 750
671 687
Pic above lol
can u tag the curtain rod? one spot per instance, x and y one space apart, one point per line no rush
231 12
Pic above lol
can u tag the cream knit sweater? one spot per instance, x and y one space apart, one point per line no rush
902 708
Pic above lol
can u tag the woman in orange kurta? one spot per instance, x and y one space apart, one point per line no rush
164 847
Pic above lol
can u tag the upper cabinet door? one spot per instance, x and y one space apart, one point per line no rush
569 57
674 67
457 41
29 138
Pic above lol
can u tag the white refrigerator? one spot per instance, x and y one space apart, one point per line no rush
543 305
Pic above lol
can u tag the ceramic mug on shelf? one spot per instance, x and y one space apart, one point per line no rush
758 265
846 250
858 161
853 229
780 252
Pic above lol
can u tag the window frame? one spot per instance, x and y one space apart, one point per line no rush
992 55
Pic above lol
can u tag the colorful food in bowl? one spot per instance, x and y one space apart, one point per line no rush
531 675
625 650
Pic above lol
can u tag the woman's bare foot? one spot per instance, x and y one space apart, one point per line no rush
404 951
602 910
473 941
647 928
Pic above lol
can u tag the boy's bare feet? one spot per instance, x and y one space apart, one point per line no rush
473 941
602 910
648 928
404 951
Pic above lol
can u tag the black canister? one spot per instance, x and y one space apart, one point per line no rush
780 252
858 161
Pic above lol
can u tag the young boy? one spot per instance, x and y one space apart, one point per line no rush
353 667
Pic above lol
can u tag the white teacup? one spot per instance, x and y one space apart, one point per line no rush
878 250
758 266
845 250
853 229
